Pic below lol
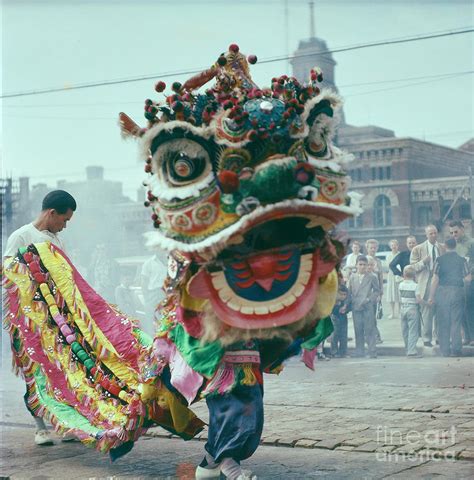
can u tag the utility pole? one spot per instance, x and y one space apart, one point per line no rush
312 33
471 192
287 35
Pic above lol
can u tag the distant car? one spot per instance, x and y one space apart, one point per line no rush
382 256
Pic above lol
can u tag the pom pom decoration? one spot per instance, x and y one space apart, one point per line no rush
304 173
229 181
176 87
39 277
252 59
234 48
160 86
221 61
28 257
34 267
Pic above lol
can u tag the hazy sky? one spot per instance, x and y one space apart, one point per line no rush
57 43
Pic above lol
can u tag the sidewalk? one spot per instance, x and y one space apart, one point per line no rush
391 332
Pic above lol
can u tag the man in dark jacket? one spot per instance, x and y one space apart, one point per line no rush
449 274
403 258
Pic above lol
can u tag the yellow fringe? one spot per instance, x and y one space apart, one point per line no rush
249 377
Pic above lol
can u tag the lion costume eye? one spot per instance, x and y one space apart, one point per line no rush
183 168
182 161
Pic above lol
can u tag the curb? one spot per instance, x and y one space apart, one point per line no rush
399 351
457 453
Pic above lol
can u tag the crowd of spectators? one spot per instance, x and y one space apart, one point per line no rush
428 287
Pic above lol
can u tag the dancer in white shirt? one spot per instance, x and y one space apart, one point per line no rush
57 209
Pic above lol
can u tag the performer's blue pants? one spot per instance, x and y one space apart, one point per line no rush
235 423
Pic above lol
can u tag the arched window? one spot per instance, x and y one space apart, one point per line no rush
382 212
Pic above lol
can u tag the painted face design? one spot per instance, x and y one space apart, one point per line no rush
247 183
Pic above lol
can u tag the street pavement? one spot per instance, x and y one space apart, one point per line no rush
385 418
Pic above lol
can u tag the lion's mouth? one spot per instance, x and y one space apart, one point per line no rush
272 236
270 278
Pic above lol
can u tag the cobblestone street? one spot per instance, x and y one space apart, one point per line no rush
351 418
396 418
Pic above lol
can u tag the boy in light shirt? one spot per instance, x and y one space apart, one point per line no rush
410 300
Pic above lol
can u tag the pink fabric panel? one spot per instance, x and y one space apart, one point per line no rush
183 377
308 358
118 333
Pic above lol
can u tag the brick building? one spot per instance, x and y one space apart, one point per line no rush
407 183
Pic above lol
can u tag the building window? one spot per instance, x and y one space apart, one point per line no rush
388 172
374 173
382 212
446 208
425 215
380 173
359 174
356 222
464 211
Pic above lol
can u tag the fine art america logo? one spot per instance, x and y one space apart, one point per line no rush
415 445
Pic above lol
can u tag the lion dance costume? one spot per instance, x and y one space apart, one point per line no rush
245 188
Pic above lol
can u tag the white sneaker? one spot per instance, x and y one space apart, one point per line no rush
207 473
247 475
43 438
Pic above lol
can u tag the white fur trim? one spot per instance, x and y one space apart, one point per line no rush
332 165
356 199
228 143
163 191
341 156
327 94
147 139
157 239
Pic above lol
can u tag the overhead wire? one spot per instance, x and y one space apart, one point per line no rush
430 79
263 61
371 92
350 85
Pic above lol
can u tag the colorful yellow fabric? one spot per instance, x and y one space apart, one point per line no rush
60 387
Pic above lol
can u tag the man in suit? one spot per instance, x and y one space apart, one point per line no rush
364 292
423 258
